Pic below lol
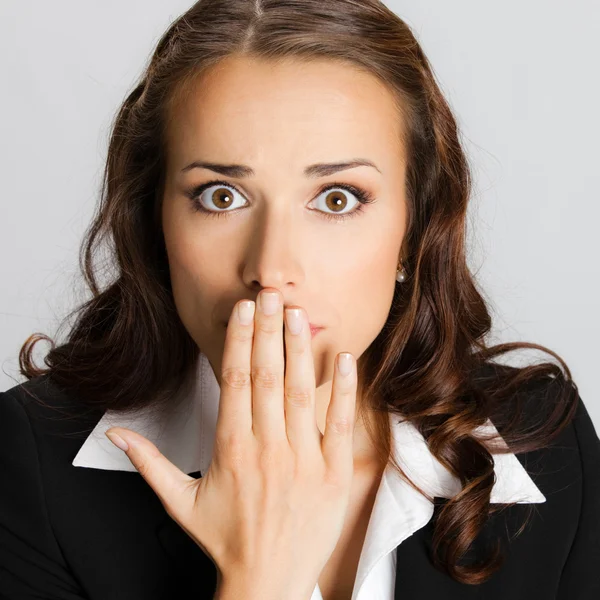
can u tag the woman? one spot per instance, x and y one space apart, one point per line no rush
285 188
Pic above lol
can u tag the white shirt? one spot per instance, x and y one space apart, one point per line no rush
185 435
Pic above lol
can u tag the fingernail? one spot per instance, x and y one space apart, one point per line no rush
269 302
293 320
246 312
345 363
118 441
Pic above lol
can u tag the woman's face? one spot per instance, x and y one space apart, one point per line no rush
270 228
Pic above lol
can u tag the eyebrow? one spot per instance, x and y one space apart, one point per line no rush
313 171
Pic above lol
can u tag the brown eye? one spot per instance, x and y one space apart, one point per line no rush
222 197
336 201
215 198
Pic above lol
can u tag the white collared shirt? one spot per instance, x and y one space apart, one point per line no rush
398 511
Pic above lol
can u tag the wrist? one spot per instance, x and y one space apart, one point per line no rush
250 587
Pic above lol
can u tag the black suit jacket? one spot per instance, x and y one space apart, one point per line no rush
69 533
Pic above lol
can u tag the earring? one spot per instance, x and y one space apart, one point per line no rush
400 273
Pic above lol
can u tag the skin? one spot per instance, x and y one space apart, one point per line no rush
277 235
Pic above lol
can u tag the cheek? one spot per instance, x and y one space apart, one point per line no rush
371 290
185 265
189 253
192 278
363 296
194 259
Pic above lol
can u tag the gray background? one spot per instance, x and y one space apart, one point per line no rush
521 76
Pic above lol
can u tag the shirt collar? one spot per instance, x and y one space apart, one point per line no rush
175 434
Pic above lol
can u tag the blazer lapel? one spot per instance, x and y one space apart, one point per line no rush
414 512
400 510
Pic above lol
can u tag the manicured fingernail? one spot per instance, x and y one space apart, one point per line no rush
293 320
246 312
345 363
118 441
269 302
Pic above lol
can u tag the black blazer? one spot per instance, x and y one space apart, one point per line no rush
70 534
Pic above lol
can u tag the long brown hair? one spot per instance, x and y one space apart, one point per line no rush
128 347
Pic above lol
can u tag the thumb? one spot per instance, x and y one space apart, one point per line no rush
170 484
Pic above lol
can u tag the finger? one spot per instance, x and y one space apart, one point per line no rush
169 483
299 385
339 424
235 405
268 417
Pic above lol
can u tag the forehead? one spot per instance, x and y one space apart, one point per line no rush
248 109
